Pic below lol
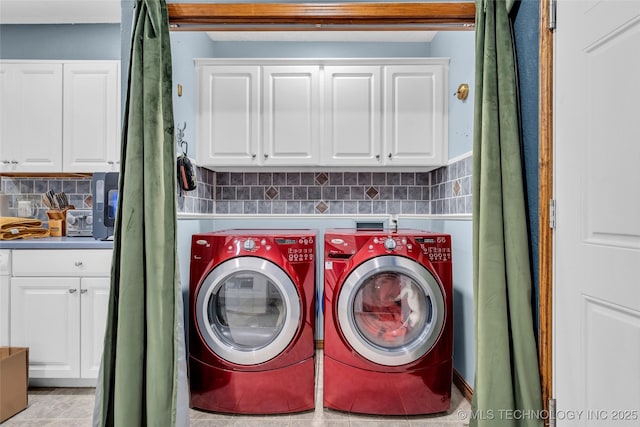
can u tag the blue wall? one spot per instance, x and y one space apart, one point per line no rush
77 41
185 46
526 33
459 46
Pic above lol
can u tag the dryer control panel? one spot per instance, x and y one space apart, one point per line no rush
343 245
437 248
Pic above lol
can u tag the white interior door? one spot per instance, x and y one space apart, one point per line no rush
597 237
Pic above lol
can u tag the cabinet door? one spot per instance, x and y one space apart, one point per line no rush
5 287
228 125
4 309
6 100
45 316
94 296
31 117
352 115
416 110
91 130
291 109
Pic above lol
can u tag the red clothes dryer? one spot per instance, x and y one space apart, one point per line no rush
388 331
252 321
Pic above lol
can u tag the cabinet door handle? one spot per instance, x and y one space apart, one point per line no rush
78 263
253 155
83 291
6 162
377 156
110 162
266 156
14 162
390 156
72 291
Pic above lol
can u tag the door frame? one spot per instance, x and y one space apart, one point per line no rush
545 196
387 16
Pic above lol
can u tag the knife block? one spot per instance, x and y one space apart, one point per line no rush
58 221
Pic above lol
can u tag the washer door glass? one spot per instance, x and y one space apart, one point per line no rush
247 310
391 310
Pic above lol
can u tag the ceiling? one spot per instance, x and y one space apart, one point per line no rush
59 11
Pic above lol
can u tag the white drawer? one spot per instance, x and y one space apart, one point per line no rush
62 262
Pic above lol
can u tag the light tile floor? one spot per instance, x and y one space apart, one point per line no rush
73 407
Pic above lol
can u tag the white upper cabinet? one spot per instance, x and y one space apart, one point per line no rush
31 114
352 115
322 112
91 124
228 116
415 112
59 117
291 114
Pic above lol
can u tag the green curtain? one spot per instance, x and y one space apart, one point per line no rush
143 371
507 384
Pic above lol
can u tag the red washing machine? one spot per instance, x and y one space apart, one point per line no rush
388 331
252 321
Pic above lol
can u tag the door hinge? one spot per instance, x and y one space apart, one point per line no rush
552 413
552 214
552 14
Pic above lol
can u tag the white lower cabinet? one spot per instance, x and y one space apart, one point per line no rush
94 294
5 273
59 302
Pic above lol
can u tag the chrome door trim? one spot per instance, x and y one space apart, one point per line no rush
290 296
423 342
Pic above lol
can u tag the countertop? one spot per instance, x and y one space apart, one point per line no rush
57 243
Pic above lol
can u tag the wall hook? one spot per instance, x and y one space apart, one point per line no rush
180 137
463 92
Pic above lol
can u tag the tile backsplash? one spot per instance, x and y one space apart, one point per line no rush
78 191
443 191
451 188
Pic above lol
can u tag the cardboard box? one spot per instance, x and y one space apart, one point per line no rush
14 379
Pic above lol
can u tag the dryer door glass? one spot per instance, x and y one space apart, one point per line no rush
247 310
391 310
